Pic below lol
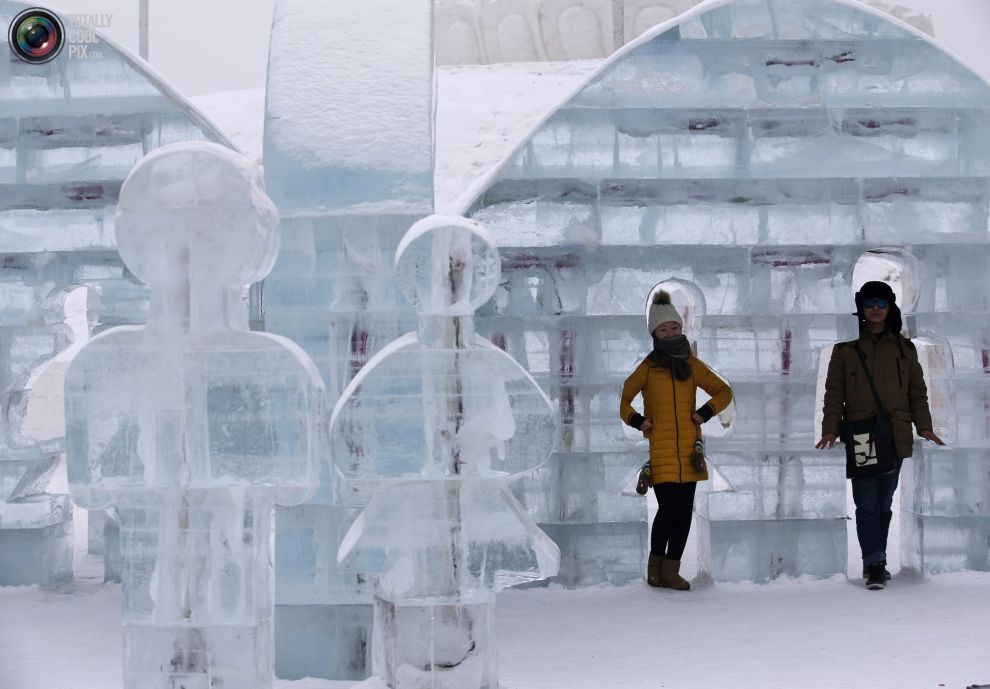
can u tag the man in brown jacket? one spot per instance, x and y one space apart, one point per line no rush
893 362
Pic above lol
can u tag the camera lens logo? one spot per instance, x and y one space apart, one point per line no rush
36 36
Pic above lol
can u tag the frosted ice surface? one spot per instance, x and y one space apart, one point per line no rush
192 426
378 153
775 155
70 131
433 427
350 167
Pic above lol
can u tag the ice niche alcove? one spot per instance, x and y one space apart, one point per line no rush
433 428
756 149
192 426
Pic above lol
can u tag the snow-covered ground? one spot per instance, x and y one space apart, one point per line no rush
832 634
917 634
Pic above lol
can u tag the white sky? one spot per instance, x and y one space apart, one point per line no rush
202 46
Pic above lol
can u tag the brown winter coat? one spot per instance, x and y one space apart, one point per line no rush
670 403
893 362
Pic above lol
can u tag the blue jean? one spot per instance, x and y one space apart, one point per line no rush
873 496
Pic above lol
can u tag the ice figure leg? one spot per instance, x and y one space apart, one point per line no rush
198 592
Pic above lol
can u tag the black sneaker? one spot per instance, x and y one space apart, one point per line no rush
886 572
876 578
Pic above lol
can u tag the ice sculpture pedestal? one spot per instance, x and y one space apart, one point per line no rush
408 635
36 541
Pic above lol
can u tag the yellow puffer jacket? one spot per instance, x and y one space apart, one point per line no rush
670 403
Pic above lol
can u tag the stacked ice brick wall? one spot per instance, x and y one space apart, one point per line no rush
349 163
757 149
70 131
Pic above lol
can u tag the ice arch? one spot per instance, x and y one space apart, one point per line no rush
757 149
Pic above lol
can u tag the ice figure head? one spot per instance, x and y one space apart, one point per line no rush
194 222
447 266
193 400
895 266
687 298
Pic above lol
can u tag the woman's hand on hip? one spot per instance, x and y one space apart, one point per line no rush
828 440
697 418
646 426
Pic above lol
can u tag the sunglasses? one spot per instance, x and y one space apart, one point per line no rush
875 303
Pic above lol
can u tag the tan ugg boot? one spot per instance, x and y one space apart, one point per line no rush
653 567
670 577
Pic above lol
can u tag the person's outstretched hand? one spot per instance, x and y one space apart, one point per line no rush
930 435
828 440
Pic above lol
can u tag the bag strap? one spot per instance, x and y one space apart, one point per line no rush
869 377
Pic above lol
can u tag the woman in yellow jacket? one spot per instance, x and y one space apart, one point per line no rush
668 378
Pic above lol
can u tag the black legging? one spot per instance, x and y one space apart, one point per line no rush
673 521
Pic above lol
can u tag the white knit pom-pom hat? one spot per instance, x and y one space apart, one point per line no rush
662 311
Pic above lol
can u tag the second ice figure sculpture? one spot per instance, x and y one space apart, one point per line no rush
192 426
434 426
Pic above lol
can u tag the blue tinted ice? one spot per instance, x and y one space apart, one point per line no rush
349 164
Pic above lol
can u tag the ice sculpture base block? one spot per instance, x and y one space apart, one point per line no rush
324 641
932 545
763 550
197 657
36 541
442 646
605 552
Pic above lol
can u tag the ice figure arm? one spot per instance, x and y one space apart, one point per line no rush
633 386
833 407
715 385
921 415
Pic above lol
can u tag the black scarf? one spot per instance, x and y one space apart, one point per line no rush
672 353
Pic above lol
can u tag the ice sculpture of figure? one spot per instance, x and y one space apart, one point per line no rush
434 426
192 426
